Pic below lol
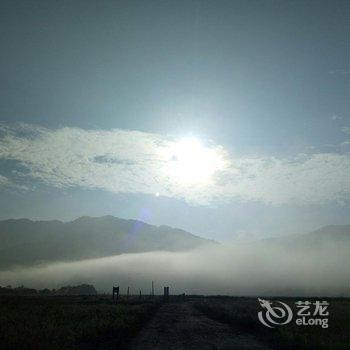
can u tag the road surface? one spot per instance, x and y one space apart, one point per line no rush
180 325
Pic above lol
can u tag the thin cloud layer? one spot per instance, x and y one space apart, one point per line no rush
126 161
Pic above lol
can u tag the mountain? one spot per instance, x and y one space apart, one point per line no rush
26 242
332 234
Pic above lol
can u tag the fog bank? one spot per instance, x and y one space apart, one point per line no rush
259 269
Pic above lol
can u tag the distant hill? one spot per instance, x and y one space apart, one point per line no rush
332 234
82 289
26 242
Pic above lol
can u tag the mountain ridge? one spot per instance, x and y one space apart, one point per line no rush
315 239
30 242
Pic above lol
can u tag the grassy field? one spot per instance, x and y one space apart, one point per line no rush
95 322
242 313
30 322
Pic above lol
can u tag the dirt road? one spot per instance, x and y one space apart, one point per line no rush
180 326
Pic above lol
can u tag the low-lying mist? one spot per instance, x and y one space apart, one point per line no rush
259 269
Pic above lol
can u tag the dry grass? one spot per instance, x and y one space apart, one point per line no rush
70 322
242 313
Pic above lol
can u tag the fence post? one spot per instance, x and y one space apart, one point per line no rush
166 293
115 291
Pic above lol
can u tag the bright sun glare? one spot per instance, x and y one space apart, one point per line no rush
191 162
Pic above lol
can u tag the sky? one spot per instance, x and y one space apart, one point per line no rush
229 119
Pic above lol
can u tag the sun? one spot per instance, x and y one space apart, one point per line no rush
191 162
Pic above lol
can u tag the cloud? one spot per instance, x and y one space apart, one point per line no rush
9 184
336 117
120 161
4 181
127 161
339 72
345 130
304 179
